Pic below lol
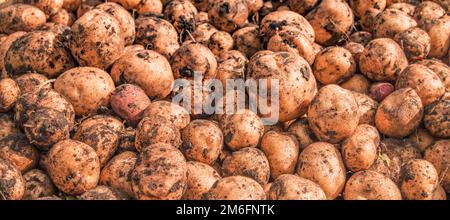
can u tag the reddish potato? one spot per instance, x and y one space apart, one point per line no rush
129 102
381 90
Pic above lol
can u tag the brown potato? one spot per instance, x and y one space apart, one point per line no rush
249 162
117 172
440 68
300 128
63 17
254 6
436 118
243 129
230 69
355 49
9 93
405 7
370 185
438 155
202 17
367 21
292 40
357 83
293 187
181 14
6 44
422 138
129 102
103 193
334 65
149 7
203 32
200 178
236 188
20 17
37 185
361 37
174 113
160 173
405 148
219 42
193 58
321 163
391 22
280 20
86 88
438 30
427 11
71 5
388 163
367 107
247 40
281 150
8 126
19 152
228 15
419 180
439 193
156 129
49 7
201 5
415 42
73 166
125 20
127 140
12 184
361 6
302 6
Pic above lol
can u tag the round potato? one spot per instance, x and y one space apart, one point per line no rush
438 155
438 30
357 83
20 17
227 15
16 149
200 178
247 40
293 187
236 188
361 6
415 42
117 172
300 128
361 37
250 162
103 193
419 180
280 20
9 93
174 113
422 138
219 42
243 129
63 17
129 102
334 65
427 11
37 185
182 15
370 185
193 58
156 129
391 22
292 40
6 44
124 18
440 68
12 184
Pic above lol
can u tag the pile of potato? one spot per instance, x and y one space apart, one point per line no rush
86 88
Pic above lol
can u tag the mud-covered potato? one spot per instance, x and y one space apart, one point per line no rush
281 150
436 118
293 187
49 7
219 42
63 17
243 129
236 188
174 113
200 178
280 20
160 173
388 163
228 15
230 69
355 49
405 148
30 82
334 65
129 102
8 126
357 83
12 184
321 163
37 185
124 18
439 30
370 185
415 42
440 68
247 40
73 166
20 17
399 114
202 141
419 180
391 22
329 109
367 108
181 14
203 32
127 140
302 6
302 132
367 21
103 193
422 138
427 11
5 44
156 129
202 17
96 39
292 40
193 58
71 5
382 60
16 149
86 88
361 6
249 162
424 81
361 37
9 93
439 155
117 172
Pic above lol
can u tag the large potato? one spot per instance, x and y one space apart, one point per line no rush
280 20
334 65
20 17
236 188
117 172
391 22
439 30
126 21
243 129
5 44
176 114
181 14
416 43
12 184
247 40
250 162
440 68
439 155
419 180
293 187
200 178
156 129
370 185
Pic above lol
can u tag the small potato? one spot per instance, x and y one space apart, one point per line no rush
391 22
400 113
370 185
280 20
406 149
37 185
12 184
300 128
422 138
129 102
415 42
441 69
220 41
367 108
202 17
233 54
156 129
200 178
281 150
8 126
361 37
63 17
181 14
439 30
16 149
332 106
174 113
355 49
5 44
193 58
117 172
103 193
439 155
230 69
436 118
227 15
388 163
428 11
124 18
236 188
202 141
439 193
86 88
359 151
102 133
73 166
321 163
203 32
247 40
249 162
20 17
361 6
424 81
9 93
382 60
379 91
31 82
149 7
160 173
419 180
357 83
293 187
334 65
292 40
302 6
243 129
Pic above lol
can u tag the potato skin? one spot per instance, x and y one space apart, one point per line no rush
124 18
129 102
438 155
73 166
176 114
436 118
419 180
156 129
329 109
416 43
12 184
427 11
357 83
117 172
391 22
440 68
227 15
37 185
20 17
160 173
321 163
243 129
293 187
16 149
193 57
249 162
334 65
86 88
247 40
367 108
8 127
236 188
292 40
400 113
200 178
370 185
280 20
281 150
438 30
181 14
6 44
9 93
103 193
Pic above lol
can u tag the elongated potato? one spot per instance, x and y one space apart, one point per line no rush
200 178
236 188
20 17
370 185
293 187
419 180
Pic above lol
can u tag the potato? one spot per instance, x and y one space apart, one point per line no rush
355 49
438 155
292 40
441 69
439 194
149 7
9 93
247 40
361 6
357 83
19 152
334 65
203 32
117 172
102 133
96 39
20 17
436 118
332 21
220 41
202 17
415 42
156 129
367 108
391 22
232 54
200 178
202 141
227 15
249 162
280 20
71 5
254 6
31 82
388 163
86 88
86 6
438 30
361 37
406 149
370 185
129 102
382 60
125 20
49 7
5 44
103 193
300 128
321 163
419 180
243 129
160 173
332 106
229 70
302 7
181 14
193 58
127 140
12 184
422 138
37 185
62 31
381 90
400 113
281 150
367 21
424 81
427 11
297 85
63 17
73 166
236 188
293 187
174 113
8 127
405 7
201 5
